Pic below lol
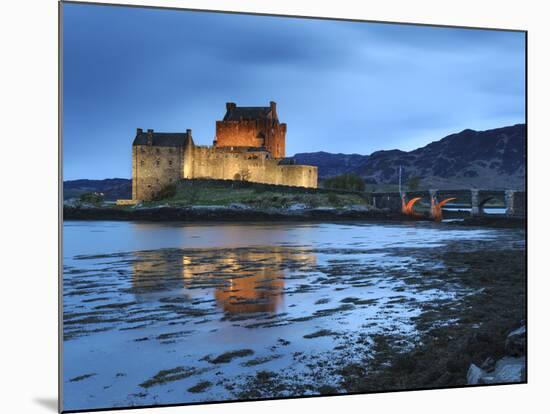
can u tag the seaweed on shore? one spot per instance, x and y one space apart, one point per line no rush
444 352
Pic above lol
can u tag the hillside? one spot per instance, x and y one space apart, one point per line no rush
486 159
112 188
332 164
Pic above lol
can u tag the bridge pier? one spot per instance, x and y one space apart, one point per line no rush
476 210
509 200
515 203
435 212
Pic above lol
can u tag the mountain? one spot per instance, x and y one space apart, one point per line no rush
112 188
332 164
485 159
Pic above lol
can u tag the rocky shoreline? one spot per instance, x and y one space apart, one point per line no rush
486 343
240 213
511 368
230 213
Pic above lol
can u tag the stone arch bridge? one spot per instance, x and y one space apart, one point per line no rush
475 199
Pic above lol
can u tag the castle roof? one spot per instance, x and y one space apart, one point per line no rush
237 113
247 113
163 139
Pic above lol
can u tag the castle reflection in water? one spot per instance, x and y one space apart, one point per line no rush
245 280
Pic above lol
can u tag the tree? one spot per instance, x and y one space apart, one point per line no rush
413 182
350 182
92 198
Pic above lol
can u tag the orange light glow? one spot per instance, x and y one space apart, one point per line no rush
408 207
437 212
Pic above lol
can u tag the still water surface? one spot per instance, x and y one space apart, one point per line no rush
162 313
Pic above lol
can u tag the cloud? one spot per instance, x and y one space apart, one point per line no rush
340 86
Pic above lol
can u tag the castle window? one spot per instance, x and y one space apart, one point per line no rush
143 149
170 162
158 151
157 162
142 163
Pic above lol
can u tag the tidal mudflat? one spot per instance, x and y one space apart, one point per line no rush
164 313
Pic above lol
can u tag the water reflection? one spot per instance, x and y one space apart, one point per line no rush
242 280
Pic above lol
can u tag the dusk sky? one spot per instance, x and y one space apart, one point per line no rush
341 87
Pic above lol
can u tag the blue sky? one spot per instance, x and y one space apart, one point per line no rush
345 87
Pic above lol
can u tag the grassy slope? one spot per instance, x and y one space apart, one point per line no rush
258 196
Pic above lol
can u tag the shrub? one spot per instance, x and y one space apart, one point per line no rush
413 182
168 191
349 182
93 198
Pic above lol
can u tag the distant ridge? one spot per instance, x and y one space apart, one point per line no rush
494 159
112 188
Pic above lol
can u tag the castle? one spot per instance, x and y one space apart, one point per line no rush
249 145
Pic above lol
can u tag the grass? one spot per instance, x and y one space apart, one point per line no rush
206 193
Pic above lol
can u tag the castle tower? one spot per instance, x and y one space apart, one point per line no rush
257 127
157 159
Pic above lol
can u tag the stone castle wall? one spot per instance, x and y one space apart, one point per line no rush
208 162
154 167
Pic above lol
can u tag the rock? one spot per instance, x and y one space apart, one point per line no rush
488 364
297 206
357 207
507 370
238 206
515 344
475 374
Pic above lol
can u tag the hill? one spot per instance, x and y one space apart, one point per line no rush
112 188
488 159
332 164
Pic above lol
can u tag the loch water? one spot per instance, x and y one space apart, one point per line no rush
169 313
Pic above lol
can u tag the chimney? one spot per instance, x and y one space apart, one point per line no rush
188 132
149 137
230 106
139 131
273 106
